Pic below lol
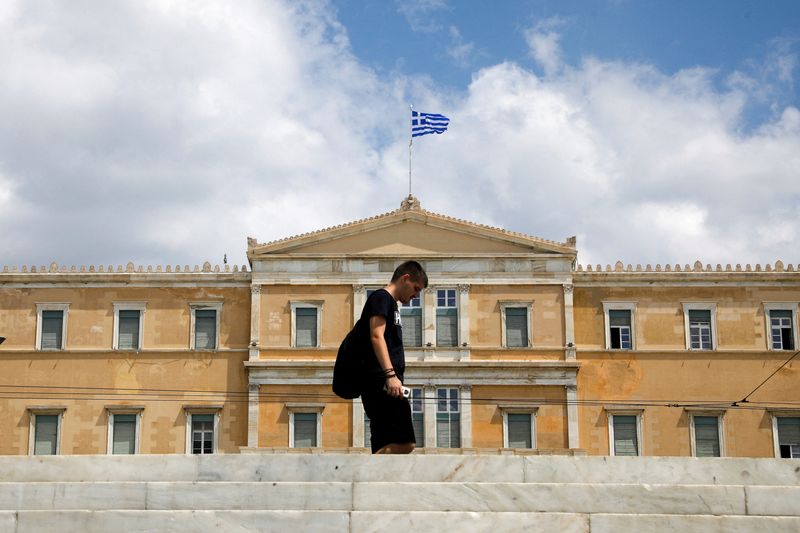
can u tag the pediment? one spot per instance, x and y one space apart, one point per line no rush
410 232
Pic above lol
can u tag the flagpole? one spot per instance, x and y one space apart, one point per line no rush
410 142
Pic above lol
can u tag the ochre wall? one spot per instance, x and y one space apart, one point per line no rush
273 422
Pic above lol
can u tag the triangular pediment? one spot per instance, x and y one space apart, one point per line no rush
410 231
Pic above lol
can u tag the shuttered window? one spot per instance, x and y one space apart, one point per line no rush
516 327
367 432
306 327
305 430
619 321
411 320
789 437
202 433
706 436
781 329
625 437
205 329
519 430
446 318
124 438
448 419
128 329
700 329
45 434
52 330
418 415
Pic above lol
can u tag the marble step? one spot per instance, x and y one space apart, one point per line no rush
378 522
400 496
423 468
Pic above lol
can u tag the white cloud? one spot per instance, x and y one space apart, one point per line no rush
544 44
419 14
459 50
164 134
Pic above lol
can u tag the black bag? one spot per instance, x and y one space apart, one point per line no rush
349 367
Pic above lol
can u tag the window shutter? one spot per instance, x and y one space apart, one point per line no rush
706 435
412 326
124 434
516 327
128 329
519 430
619 317
367 432
418 421
205 329
305 430
306 328
46 434
447 327
699 316
52 328
789 431
625 439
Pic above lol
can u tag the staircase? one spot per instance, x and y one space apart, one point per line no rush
363 493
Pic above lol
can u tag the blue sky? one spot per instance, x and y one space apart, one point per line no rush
167 132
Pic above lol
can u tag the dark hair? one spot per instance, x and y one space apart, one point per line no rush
413 269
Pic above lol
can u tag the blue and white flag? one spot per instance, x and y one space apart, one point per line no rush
425 123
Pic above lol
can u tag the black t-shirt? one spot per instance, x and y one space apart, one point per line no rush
381 303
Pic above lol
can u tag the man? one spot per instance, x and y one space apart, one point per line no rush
382 394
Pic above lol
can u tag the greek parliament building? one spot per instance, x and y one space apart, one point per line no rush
513 348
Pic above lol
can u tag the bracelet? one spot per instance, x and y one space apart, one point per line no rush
389 370
392 375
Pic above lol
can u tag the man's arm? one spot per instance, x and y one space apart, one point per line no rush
377 327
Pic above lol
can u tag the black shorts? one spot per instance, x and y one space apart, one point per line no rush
389 418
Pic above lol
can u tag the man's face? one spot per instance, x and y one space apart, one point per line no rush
409 289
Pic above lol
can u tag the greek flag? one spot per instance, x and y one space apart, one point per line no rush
425 123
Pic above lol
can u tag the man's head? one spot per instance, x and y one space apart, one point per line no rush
409 278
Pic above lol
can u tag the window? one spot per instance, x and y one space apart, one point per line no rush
45 431
51 333
516 324
620 331
446 318
367 432
418 415
518 428
789 437
781 321
706 436
128 326
624 432
305 324
411 319
202 428
700 325
205 325
304 425
448 419
123 429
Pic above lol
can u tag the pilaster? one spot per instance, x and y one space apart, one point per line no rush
429 416
569 322
358 423
463 315
572 416
429 317
255 321
465 391
252 415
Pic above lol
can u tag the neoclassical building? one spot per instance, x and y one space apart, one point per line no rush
513 348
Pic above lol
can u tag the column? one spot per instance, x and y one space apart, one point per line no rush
255 320
429 407
572 416
358 424
465 391
252 415
463 315
569 323
359 299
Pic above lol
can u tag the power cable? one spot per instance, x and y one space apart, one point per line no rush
744 400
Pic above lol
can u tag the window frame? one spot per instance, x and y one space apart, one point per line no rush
52 306
504 305
128 306
190 411
436 308
33 412
619 306
506 410
780 306
700 306
611 412
776 414
203 306
306 304
719 414
305 408
123 410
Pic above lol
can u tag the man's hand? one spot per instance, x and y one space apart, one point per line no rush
394 387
